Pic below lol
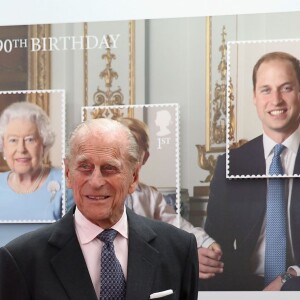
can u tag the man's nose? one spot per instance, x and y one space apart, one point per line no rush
277 97
97 179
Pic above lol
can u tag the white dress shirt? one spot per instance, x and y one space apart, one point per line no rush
91 246
288 158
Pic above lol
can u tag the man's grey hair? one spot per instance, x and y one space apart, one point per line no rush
32 112
105 125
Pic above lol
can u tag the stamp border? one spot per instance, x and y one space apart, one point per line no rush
62 140
229 44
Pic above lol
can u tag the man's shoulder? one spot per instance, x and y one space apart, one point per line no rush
172 244
31 241
37 239
244 149
248 159
141 223
248 147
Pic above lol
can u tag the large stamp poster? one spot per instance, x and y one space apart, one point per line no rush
147 69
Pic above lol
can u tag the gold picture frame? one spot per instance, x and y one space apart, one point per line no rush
215 103
37 77
218 91
131 63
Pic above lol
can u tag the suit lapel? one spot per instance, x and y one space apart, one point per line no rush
295 209
297 163
69 264
254 210
257 152
142 259
253 191
257 187
70 268
248 159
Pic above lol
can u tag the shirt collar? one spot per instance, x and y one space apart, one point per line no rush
138 187
291 143
88 231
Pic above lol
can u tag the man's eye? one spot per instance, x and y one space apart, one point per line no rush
12 140
109 169
286 88
85 167
265 90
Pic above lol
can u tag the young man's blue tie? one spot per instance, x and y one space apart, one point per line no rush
276 224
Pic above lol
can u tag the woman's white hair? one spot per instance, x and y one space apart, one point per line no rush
32 112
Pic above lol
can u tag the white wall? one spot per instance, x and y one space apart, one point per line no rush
176 54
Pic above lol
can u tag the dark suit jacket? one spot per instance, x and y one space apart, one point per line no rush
48 263
236 211
292 284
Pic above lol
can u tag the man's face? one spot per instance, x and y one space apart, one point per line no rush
277 98
100 177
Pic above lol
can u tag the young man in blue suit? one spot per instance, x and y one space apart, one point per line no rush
62 261
237 207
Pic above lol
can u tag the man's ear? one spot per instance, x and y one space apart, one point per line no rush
254 98
67 173
135 180
146 156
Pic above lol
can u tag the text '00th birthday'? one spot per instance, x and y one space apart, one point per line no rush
61 43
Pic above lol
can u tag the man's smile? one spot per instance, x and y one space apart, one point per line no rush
97 197
277 112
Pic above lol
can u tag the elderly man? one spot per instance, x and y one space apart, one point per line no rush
100 249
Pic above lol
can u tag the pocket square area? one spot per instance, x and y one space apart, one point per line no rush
161 294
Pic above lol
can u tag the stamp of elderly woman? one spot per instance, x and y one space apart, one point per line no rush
32 135
155 128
